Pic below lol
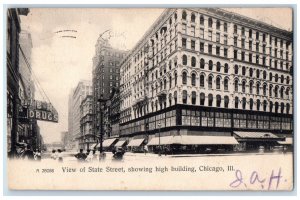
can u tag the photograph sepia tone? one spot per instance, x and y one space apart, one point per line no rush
150 98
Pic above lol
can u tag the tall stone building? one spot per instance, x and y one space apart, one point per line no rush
106 76
13 76
82 90
201 76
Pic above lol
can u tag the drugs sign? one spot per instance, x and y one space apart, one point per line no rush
43 115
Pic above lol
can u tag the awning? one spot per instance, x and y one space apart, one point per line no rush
108 142
194 140
120 143
136 142
288 141
244 134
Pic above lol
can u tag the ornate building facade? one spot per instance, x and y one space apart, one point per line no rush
208 72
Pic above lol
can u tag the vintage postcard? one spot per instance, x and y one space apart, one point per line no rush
150 99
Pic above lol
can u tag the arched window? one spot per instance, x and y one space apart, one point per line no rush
202 99
218 83
250 72
258 105
184 96
210 22
257 73
287 92
235 29
175 16
175 97
270 76
218 66
251 104
276 107
226 84
210 80
251 87
244 71
276 91
193 17
170 21
265 75
219 100
282 92
270 90
282 107
165 83
170 82
236 69
193 61
236 102
225 27
218 25
236 85
244 86
226 101
271 106
226 68
184 78
201 80
288 108
282 79
175 79
265 105
287 80
193 79
170 65
257 88
201 20
184 15
210 100
244 102
202 63
210 65
276 78
265 89
184 60
193 97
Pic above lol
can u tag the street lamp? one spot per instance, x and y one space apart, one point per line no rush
159 150
101 101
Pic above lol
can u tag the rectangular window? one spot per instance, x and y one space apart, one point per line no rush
243 43
235 41
184 28
184 42
257 46
250 45
225 40
225 52
193 44
257 59
243 56
264 48
235 54
250 57
210 35
193 31
201 47
218 37
202 33
210 49
218 50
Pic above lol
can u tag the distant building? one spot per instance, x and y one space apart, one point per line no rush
106 76
82 90
87 138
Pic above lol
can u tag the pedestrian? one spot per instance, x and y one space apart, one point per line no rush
145 149
81 156
37 155
28 153
53 155
60 156
87 152
89 157
94 155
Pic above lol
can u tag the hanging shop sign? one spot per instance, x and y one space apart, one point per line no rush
40 110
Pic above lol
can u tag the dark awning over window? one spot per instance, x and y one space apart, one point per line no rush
258 136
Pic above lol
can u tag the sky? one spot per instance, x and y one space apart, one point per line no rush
60 62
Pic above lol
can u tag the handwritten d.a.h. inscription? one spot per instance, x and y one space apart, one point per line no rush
269 182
